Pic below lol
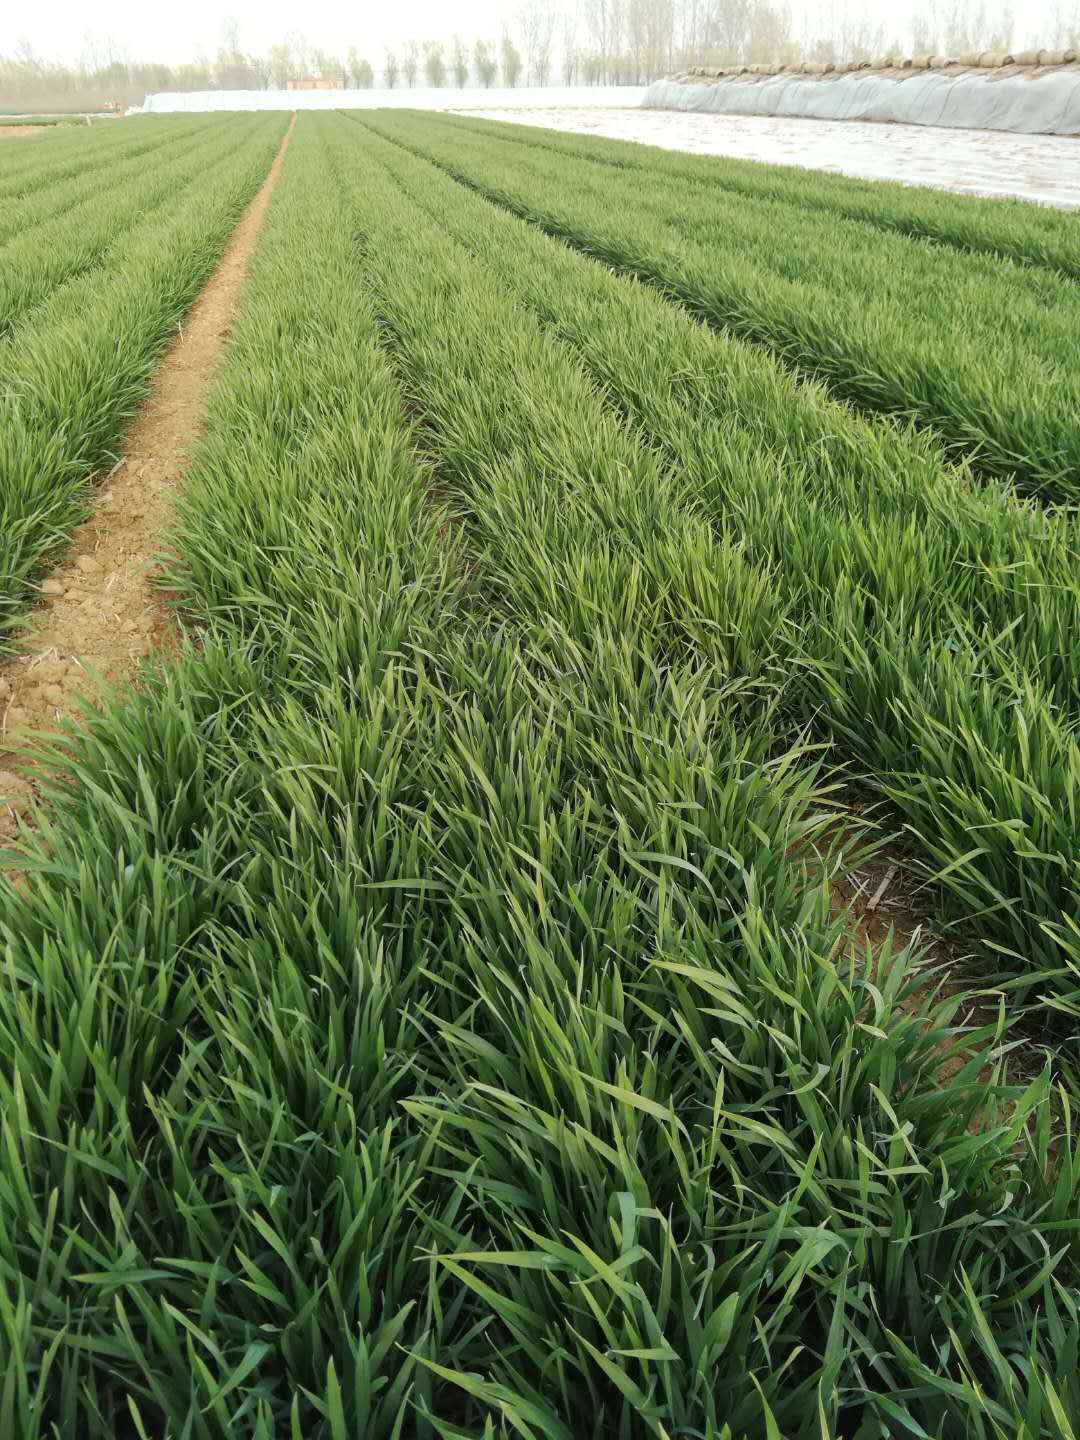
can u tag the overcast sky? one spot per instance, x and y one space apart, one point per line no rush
57 29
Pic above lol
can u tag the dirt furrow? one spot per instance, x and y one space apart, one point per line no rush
100 612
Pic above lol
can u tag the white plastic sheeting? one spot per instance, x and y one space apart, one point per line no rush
1046 103
1042 168
528 96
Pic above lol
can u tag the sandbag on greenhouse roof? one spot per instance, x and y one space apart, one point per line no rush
1029 102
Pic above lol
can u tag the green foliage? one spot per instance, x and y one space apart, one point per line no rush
434 63
927 625
48 120
44 196
510 61
87 303
484 64
28 169
78 236
426 1013
975 347
1014 229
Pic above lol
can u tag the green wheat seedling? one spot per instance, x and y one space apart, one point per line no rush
81 330
979 349
424 1008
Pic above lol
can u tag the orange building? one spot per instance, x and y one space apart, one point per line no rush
316 82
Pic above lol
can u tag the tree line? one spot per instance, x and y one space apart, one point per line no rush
583 42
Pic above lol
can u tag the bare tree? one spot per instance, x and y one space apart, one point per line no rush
728 30
411 64
1063 28
979 26
301 51
769 36
923 31
618 60
599 41
537 19
635 37
659 38
195 76
598 21
233 70
571 53
323 63
699 23
858 38
230 35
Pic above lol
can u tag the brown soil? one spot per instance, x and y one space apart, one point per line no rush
887 904
101 611
884 901
19 132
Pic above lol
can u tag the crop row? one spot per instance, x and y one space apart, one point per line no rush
81 238
976 348
42 120
567 521
427 1015
71 377
1014 229
594 552
923 626
50 198
304 530
70 154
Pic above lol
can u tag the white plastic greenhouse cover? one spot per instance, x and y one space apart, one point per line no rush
1043 104
528 96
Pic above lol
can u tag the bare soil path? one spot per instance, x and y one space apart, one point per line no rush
100 612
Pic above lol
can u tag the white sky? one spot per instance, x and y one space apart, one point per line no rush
138 30
58 29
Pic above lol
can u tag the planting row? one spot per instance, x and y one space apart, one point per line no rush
50 198
84 236
1014 229
923 626
977 348
69 153
427 1016
20 120
73 373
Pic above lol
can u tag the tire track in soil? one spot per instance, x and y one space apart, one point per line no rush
100 612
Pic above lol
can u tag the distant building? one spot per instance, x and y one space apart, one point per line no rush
316 82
